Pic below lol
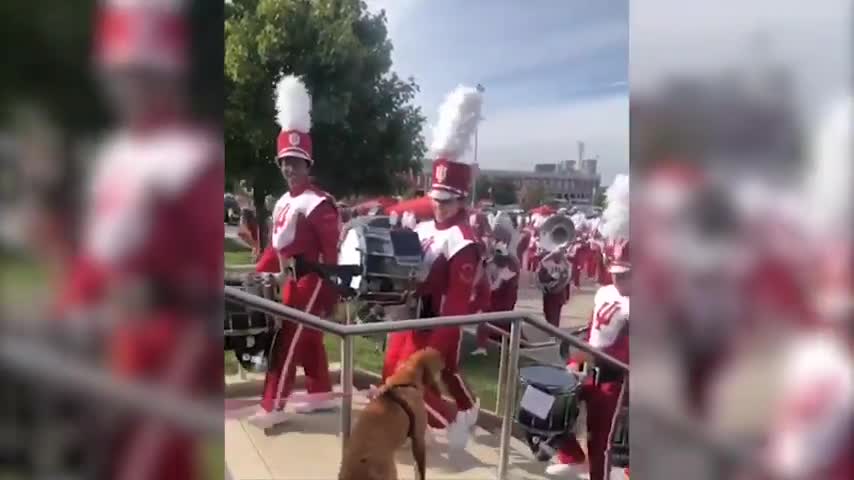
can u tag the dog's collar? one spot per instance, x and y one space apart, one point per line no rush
402 385
389 392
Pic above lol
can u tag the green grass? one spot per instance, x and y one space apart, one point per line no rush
21 277
481 372
238 258
236 253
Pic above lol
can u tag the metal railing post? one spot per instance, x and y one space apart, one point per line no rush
502 372
509 395
346 383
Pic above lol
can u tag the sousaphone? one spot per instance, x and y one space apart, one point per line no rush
556 235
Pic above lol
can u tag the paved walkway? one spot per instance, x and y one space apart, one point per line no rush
308 447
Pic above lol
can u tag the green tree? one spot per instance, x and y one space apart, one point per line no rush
504 192
483 189
365 131
532 196
600 200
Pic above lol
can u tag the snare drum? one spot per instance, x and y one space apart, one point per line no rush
249 333
389 260
548 406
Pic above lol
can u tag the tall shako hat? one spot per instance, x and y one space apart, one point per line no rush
148 34
615 224
293 114
459 116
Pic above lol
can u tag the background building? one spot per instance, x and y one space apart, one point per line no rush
558 180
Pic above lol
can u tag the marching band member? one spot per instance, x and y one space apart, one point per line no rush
151 251
306 226
452 258
579 250
556 264
608 331
503 280
812 435
481 295
525 240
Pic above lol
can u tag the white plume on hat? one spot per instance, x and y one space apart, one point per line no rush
615 218
828 178
293 104
459 115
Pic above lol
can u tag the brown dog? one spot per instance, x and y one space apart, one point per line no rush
396 413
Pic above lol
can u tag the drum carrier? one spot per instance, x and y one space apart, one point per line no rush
387 258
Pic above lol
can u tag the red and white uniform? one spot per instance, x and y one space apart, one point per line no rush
525 240
553 301
812 438
577 257
151 234
451 259
504 291
609 331
305 224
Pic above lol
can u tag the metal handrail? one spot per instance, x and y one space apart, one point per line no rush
280 310
68 372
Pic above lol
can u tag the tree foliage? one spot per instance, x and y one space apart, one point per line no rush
504 192
532 196
600 200
498 191
365 129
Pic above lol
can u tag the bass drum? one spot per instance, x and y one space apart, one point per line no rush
249 333
544 431
388 259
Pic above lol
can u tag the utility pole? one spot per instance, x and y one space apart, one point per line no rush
476 168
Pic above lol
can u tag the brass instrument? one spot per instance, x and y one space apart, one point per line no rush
556 235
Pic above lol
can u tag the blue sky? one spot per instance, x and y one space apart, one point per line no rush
555 72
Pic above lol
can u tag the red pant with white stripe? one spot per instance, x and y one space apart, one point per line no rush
446 341
295 344
552 305
173 352
602 401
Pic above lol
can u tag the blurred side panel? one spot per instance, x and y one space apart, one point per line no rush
741 208
111 263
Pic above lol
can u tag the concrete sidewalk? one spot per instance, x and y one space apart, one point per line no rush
308 447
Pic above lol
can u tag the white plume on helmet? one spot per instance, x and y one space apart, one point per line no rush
829 170
293 104
615 218
459 115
